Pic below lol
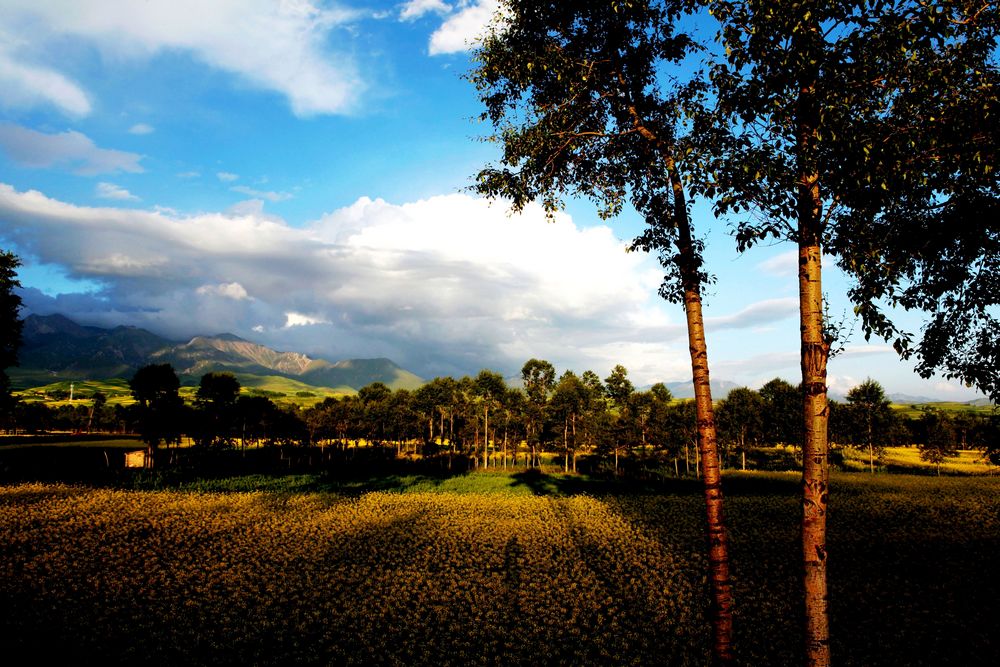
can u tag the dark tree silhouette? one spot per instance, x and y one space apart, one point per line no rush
216 399
10 328
154 388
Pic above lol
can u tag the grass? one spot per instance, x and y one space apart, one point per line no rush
487 568
914 410
281 390
109 443
116 390
907 460
288 389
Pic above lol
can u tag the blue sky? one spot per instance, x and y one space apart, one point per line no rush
295 172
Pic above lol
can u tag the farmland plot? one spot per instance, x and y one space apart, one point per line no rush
501 577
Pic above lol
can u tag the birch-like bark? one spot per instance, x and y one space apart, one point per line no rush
814 355
711 473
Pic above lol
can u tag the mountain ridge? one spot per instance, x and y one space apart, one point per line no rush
55 346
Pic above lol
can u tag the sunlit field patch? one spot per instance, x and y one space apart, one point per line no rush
907 459
486 571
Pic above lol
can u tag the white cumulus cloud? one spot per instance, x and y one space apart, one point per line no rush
226 177
300 320
464 28
278 46
141 128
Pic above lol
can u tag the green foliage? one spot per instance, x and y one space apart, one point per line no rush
869 421
782 413
216 401
740 418
155 389
539 377
936 438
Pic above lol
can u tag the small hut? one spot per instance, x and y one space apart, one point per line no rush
137 459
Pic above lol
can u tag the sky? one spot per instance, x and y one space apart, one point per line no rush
296 172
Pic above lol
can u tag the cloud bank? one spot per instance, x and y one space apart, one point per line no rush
445 285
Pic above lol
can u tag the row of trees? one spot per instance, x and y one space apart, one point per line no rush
483 418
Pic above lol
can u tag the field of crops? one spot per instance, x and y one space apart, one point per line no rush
488 569
907 459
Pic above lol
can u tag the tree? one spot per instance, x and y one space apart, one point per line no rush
216 399
570 401
681 427
818 108
402 420
100 401
936 438
539 378
741 419
154 388
658 422
490 388
988 437
782 413
513 403
374 400
10 327
618 387
574 90
919 192
871 417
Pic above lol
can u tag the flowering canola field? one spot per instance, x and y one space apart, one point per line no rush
180 577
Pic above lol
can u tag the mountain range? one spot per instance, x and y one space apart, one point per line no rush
56 348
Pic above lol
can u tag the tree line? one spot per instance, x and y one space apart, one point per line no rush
491 424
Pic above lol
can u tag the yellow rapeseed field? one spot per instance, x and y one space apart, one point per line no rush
497 576
384 578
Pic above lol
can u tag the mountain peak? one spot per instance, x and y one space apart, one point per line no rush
228 337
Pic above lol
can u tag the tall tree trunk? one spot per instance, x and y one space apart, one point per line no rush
574 442
505 446
486 436
814 352
688 264
566 444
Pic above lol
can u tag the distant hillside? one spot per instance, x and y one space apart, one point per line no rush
56 348
59 347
